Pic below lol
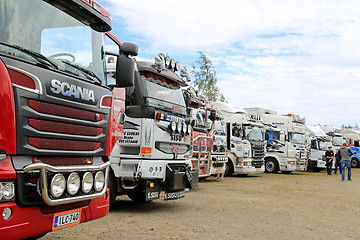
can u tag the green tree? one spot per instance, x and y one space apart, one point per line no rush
205 79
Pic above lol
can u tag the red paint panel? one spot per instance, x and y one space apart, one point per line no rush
7 170
58 127
21 79
7 113
106 101
58 110
61 144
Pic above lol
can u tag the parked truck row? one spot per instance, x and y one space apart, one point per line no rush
83 121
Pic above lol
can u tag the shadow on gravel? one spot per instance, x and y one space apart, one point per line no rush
132 207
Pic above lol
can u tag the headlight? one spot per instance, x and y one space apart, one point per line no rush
179 126
8 190
99 181
87 182
58 184
73 183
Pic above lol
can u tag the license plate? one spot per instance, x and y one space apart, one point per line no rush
66 219
176 137
174 195
258 169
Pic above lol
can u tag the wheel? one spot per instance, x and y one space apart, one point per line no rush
112 187
354 162
138 197
229 170
271 166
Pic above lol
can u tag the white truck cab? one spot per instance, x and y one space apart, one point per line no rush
287 148
245 141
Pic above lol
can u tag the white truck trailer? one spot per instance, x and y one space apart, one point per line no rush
245 141
287 148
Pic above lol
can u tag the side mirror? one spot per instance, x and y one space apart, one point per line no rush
125 66
212 116
267 136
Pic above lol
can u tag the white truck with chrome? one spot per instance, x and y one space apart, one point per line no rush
287 149
151 156
245 141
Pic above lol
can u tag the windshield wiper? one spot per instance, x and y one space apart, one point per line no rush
35 55
87 71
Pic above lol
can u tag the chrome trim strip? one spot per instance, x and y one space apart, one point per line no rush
44 186
101 99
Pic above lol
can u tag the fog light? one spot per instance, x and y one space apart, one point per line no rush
179 126
189 128
87 182
7 213
99 181
8 190
73 183
173 126
58 184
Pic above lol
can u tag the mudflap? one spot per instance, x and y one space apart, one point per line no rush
175 182
192 178
152 190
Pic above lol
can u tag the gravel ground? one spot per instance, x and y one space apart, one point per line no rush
264 206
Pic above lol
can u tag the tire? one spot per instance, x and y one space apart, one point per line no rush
229 170
354 162
271 166
308 167
112 187
139 196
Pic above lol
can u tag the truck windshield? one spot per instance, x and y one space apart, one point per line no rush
324 146
298 138
219 128
254 133
338 141
160 95
42 34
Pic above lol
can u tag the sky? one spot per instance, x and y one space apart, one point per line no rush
299 57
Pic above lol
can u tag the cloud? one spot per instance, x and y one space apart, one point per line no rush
290 56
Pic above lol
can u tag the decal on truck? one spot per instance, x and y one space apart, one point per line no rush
67 89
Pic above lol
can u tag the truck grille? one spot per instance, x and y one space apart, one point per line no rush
45 127
257 163
258 152
218 149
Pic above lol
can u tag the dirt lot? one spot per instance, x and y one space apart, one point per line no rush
265 206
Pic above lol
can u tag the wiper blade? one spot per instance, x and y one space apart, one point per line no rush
35 55
87 71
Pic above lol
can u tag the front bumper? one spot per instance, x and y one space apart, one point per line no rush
248 169
32 221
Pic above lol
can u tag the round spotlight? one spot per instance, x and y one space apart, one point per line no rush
73 183
177 66
99 181
8 190
189 129
172 64
57 185
162 56
87 182
173 126
167 61
184 128
7 213
179 127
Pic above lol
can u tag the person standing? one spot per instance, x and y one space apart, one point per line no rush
329 156
337 161
345 155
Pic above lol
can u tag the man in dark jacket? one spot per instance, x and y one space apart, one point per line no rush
329 156
345 154
337 162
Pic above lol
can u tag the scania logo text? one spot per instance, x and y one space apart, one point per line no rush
67 89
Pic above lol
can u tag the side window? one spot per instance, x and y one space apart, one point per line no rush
313 144
356 144
110 47
236 131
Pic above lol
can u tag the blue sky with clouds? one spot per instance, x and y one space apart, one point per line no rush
290 56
